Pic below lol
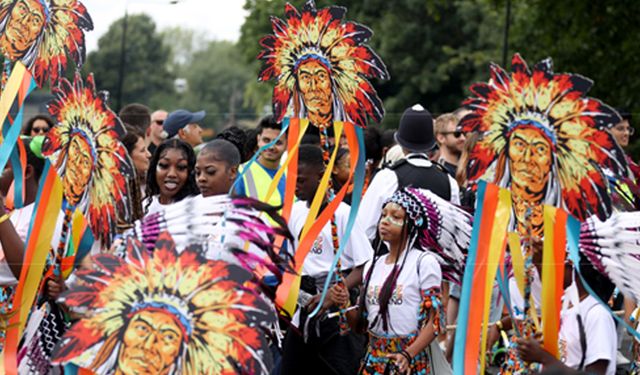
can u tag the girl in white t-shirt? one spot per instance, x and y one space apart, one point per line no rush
171 175
400 303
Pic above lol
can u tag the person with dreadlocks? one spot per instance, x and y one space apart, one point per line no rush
400 303
322 344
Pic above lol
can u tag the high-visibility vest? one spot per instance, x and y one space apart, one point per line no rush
256 185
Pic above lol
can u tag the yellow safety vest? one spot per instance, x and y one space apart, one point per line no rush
256 184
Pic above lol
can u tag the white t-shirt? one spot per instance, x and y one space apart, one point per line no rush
382 187
421 272
600 332
155 206
21 219
517 299
357 251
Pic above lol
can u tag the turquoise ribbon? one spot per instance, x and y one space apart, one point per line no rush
11 131
86 242
358 187
18 177
467 285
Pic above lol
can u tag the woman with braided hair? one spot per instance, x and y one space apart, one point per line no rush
400 303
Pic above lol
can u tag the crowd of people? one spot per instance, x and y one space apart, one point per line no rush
393 311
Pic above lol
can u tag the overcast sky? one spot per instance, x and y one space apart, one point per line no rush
221 19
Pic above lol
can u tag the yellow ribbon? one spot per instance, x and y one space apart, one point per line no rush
338 127
496 250
10 92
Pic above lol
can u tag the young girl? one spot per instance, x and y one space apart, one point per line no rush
217 167
171 175
400 303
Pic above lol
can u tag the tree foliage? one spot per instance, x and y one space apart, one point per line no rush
217 76
597 39
145 61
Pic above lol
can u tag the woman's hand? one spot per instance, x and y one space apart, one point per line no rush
401 362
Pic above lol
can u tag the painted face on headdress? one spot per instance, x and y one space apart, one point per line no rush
543 138
151 344
314 83
79 169
26 22
529 160
314 54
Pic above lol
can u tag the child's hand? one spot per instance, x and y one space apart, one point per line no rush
530 350
339 295
55 287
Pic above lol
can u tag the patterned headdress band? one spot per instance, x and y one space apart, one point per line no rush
414 210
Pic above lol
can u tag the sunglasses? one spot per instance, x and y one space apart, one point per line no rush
39 130
159 122
456 134
626 128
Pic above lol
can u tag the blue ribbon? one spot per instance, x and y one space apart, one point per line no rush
467 285
11 132
18 177
358 187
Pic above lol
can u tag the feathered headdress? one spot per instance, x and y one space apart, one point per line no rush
339 47
613 248
219 317
574 125
221 226
65 22
85 121
442 228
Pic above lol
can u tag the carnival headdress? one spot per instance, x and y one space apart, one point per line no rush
443 228
83 117
555 105
220 318
339 47
62 33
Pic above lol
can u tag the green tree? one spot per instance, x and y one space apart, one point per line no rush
597 39
433 49
217 77
145 61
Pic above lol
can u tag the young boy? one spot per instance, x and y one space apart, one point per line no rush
587 332
217 167
325 350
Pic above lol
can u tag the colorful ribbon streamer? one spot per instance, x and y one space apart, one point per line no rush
287 293
354 134
19 85
48 204
553 257
488 243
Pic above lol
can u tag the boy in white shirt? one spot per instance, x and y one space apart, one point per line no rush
587 339
325 350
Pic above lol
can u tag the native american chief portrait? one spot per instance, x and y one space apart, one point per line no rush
542 138
40 33
166 312
85 149
321 66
